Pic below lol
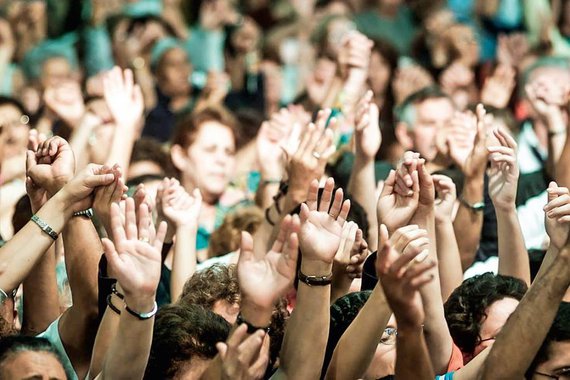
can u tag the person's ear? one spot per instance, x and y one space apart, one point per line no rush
403 135
179 157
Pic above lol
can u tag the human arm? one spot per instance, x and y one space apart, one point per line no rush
355 349
362 181
468 222
401 283
503 178
548 100
135 259
182 211
321 229
449 261
516 345
125 102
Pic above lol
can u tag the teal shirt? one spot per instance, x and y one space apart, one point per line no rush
399 30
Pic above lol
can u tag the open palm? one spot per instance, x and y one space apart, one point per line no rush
135 257
266 280
321 228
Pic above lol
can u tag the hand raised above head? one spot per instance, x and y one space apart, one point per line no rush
322 223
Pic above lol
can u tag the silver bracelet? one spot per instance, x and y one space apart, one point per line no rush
86 213
44 227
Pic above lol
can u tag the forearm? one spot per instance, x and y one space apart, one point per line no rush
41 301
23 251
267 189
184 260
340 285
468 223
305 339
122 147
412 359
513 256
556 141
106 333
357 346
436 331
562 172
449 260
131 344
509 359
362 188
145 80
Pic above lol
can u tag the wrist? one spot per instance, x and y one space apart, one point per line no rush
312 267
140 304
63 201
504 208
255 313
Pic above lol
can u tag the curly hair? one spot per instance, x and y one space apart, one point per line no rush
227 237
205 287
465 309
182 333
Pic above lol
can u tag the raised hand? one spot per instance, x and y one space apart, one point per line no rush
36 193
394 209
52 165
181 208
244 357
78 190
263 281
455 140
547 98
557 215
498 88
272 135
66 101
475 163
105 196
354 54
446 196
504 171
512 48
409 80
358 256
321 222
368 136
308 159
402 272
345 248
123 97
134 254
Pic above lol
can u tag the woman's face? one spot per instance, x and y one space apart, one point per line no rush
174 72
13 132
384 360
246 38
379 73
210 159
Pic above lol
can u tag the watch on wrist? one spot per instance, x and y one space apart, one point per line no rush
475 207
315 280
86 213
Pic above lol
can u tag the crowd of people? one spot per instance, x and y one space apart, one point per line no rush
302 189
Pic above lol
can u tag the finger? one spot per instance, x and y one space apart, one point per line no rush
237 337
343 215
96 180
143 222
159 235
112 256
304 214
222 349
130 219
557 202
282 236
291 250
312 196
388 187
337 203
250 347
326 195
117 223
246 247
559 211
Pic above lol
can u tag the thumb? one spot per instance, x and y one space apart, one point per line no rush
95 180
222 349
246 247
389 184
552 187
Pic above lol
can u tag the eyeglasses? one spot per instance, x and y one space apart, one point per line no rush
389 336
561 374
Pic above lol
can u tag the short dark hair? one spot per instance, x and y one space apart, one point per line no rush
403 111
182 333
465 307
205 287
149 149
188 128
12 345
8 101
559 332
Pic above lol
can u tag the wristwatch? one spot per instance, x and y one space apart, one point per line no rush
475 207
86 213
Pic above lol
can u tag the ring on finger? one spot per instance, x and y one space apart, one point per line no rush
317 155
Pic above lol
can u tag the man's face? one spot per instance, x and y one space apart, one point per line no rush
55 71
430 116
558 362
173 73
